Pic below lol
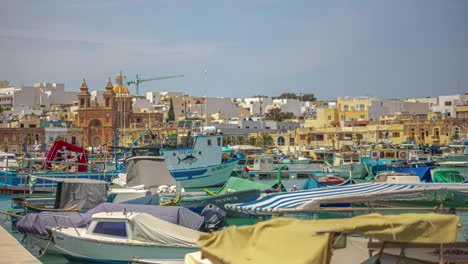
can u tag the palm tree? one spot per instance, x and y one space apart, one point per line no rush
266 140
309 136
252 141
5 146
358 138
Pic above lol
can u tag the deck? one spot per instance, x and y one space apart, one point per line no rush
12 251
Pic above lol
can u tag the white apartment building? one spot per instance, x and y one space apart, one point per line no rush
392 106
155 97
447 103
36 95
444 104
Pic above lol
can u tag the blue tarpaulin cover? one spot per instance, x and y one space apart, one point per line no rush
36 223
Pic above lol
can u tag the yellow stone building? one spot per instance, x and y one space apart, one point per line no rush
353 108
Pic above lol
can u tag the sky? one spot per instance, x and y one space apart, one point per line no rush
241 48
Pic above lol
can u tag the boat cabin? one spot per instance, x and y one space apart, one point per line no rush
114 225
389 177
206 150
140 227
384 155
263 163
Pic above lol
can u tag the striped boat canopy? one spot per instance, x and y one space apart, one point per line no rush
310 200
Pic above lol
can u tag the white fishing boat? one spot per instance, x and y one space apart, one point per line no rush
202 164
120 237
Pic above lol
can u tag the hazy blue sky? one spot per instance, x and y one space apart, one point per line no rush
392 49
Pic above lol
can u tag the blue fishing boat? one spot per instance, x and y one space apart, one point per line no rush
63 161
202 164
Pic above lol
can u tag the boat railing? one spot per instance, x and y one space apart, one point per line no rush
21 180
71 222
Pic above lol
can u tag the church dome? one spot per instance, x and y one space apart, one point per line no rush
119 88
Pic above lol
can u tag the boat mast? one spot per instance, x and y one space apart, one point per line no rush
206 99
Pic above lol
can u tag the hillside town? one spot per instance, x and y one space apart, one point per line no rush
33 117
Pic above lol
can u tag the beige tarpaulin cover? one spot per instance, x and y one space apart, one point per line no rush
153 230
288 240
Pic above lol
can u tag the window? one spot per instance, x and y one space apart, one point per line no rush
362 107
82 102
107 102
280 141
346 107
362 117
291 141
73 140
329 118
219 141
449 103
396 134
343 118
209 142
111 228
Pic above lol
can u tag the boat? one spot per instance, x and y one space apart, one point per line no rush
120 237
63 161
235 190
438 194
397 238
34 225
448 175
201 164
144 172
71 195
347 163
454 153
419 174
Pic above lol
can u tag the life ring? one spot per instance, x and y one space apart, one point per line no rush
402 155
333 179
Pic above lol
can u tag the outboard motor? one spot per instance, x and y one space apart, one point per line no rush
215 218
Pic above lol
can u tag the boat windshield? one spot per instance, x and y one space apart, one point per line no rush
118 229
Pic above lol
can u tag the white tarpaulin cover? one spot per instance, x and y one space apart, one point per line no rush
156 231
148 171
